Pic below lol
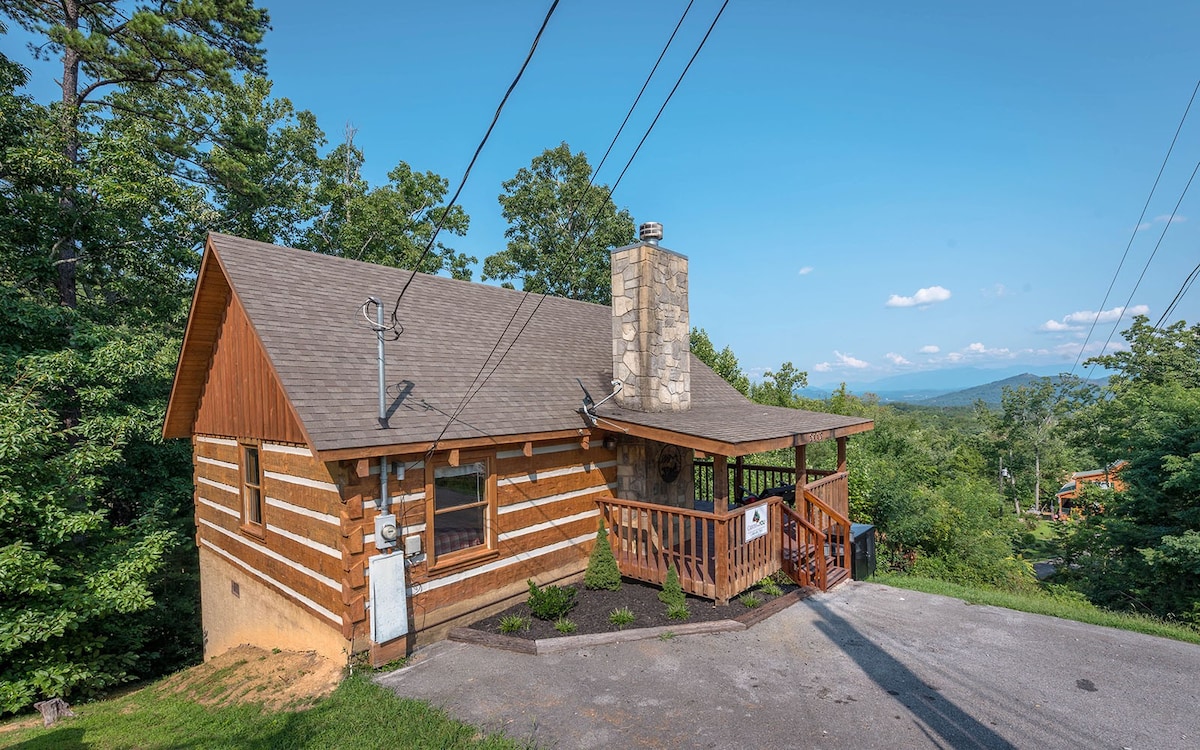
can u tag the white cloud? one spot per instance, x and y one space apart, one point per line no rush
978 348
897 359
930 349
806 270
1144 225
954 356
1081 319
1055 326
845 360
923 297
822 367
1176 219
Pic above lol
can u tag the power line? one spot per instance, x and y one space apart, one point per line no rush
495 118
468 394
471 395
1136 226
1170 220
1183 290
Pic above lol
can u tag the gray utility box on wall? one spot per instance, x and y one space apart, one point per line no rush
862 551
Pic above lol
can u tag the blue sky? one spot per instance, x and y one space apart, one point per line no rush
863 189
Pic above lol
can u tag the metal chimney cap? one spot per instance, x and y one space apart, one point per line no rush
650 232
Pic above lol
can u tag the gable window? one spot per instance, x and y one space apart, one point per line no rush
460 509
252 495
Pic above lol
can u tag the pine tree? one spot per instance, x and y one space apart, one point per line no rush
602 571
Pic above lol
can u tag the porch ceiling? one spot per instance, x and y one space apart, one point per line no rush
734 429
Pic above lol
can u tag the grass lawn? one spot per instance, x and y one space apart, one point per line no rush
1041 543
1068 606
359 714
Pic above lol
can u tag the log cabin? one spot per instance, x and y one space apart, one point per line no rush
364 485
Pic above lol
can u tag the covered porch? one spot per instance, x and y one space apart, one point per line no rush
725 524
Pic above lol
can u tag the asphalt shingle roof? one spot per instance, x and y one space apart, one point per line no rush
306 310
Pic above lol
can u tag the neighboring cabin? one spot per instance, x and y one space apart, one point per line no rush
322 526
1107 478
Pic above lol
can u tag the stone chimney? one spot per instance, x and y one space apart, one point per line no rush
651 331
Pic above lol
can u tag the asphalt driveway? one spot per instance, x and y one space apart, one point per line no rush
865 666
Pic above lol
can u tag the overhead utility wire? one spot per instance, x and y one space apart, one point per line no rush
1170 220
1136 226
574 210
591 222
495 118
1183 290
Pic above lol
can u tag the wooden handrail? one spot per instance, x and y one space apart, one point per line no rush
657 507
835 515
826 478
817 546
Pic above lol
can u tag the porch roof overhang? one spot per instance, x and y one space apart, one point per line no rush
733 429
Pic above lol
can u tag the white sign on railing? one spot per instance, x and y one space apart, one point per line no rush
756 522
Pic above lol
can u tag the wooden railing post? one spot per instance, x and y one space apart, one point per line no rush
801 467
841 454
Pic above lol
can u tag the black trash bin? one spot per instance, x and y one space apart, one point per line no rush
862 548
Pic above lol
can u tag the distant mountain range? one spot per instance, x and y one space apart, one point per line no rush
961 386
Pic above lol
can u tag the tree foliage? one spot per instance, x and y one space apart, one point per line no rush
561 229
390 224
724 362
1142 551
97 246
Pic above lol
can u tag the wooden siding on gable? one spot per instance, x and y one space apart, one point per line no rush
242 396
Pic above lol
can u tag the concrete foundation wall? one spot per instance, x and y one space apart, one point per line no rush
258 615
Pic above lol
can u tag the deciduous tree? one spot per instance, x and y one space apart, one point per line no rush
561 229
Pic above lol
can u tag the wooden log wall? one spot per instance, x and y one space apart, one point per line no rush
546 520
298 552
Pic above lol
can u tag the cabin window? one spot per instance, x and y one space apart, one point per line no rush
252 495
461 509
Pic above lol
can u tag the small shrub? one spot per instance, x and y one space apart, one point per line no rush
780 578
565 626
678 611
621 616
513 624
672 591
552 602
749 600
769 587
666 635
602 571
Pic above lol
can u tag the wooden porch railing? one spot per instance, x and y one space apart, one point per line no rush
834 525
756 478
803 550
709 552
834 491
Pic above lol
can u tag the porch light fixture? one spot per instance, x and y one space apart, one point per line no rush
610 442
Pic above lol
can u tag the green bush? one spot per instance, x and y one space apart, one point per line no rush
565 626
678 611
749 600
672 591
602 571
551 602
769 587
621 616
513 624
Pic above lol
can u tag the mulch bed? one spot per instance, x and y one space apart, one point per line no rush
592 608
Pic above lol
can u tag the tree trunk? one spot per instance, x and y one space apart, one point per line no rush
67 244
1037 481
